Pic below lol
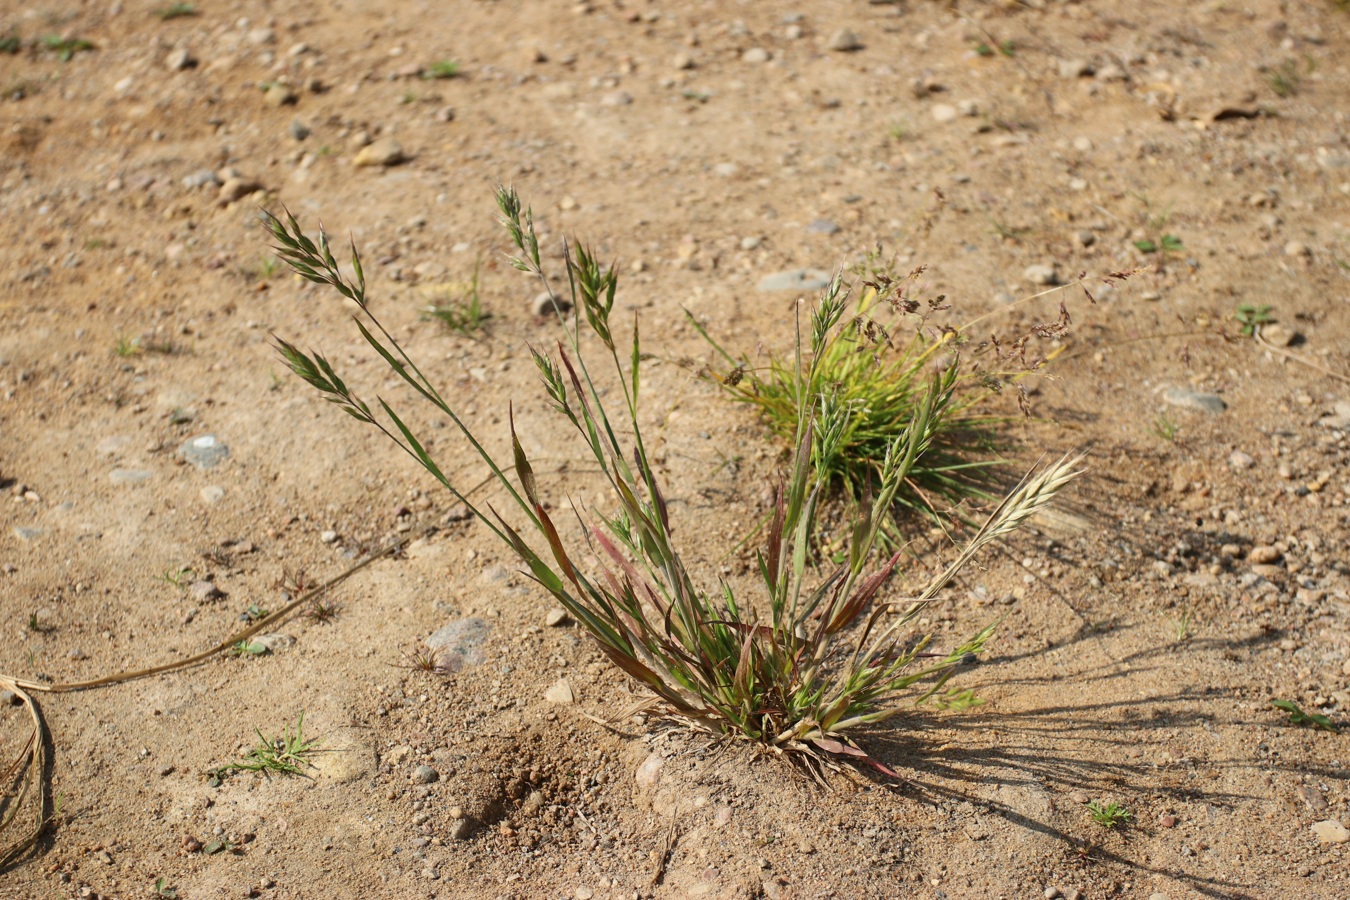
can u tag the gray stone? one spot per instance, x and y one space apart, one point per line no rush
201 178
795 280
844 41
299 130
425 775
384 152
461 829
1210 403
24 533
129 476
460 643
206 451
822 226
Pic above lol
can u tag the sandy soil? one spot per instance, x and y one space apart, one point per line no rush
702 144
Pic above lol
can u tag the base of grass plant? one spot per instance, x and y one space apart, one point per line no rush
813 654
880 383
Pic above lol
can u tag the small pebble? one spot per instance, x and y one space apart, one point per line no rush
555 617
751 243
1041 274
179 60
560 692
1239 460
844 41
1297 249
944 112
822 226
755 55
328 537
425 775
204 591
542 305
682 61
384 152
1263 555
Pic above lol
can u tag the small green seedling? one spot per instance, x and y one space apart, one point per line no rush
1183 629
254 613
249 647
65 48
697 96
1251 317
267 267
1002 48
445 68
1298 717
180 577
165 890
10 43
465 314
1165 428
1168 243
127 347
220 845
1109 815
288 753
177 11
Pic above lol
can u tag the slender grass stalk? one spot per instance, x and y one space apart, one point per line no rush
812 654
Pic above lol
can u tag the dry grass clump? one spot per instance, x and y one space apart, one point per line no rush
798 665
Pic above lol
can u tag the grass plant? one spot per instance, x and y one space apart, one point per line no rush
1109 815
289 753
464 315
445 68
879 381
177 11
1299 718
796 665
64 47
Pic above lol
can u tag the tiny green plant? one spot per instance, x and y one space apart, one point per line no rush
1109 815
177 11
180 577
1298 717
1167 243
165 890
445 68
248 647
696 96
254 613
65 48
11 43
899 132
1184 623
796 667
267 266
289 753
465 314
1284 79
127 347
1166 428
1002 48
1252 316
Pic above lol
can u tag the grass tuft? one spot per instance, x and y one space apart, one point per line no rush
289 753
1109 815
877 380
796 664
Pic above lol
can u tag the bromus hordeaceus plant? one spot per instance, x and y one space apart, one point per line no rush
816 655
